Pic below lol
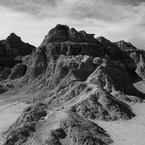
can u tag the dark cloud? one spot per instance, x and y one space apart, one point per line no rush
29 6
109 10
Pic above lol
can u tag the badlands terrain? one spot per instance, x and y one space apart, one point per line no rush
73 89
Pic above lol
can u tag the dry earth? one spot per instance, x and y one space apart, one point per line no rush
9 112
131 132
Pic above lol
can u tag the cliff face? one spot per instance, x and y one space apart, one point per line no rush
81 78
62 33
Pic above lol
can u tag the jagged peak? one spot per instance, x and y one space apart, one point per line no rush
125 45
106 42
124 42
13 36
103 39
62 26
62 33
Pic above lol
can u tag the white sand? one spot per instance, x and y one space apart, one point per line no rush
131 132
8 114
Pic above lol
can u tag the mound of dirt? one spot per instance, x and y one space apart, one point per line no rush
77 130
25 125
103 106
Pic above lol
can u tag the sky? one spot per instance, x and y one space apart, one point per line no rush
114 19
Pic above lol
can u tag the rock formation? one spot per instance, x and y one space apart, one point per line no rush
18 71
11 48
71 79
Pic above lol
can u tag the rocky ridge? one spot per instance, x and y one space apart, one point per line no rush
12 49
71 78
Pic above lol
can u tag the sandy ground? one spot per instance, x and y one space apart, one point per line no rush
131 132
8 114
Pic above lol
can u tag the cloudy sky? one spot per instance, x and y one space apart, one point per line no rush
114 19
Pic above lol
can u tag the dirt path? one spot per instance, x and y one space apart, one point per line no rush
131 132
8 114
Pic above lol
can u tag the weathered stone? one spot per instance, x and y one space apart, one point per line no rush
125 46
18 71
11 48
74 35
16 46
86 64
5 73
57 34
87 37
103 106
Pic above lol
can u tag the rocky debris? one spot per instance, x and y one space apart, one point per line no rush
110 75
18 71
68 70
37 65
80 131
114 78
103 106
25 125
71 129
64 93
74 129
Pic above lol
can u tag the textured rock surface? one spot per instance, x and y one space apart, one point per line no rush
11 48
18 71
80 131
15 43
25 125
71 129
80 79
62 33
103 106
5 73
57 34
